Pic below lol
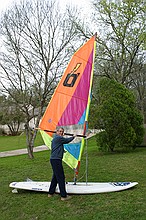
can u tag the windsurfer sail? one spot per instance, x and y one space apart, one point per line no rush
69 106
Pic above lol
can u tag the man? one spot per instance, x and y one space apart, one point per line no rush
57 150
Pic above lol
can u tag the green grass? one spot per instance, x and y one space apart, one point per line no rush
17 142
124 205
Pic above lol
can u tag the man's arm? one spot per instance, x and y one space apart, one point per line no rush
67 140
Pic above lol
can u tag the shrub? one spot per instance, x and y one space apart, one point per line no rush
118 116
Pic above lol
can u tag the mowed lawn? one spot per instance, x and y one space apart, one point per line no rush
102 167
8 143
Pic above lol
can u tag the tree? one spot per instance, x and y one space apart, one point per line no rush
138 86
121 48
37 42
11 115
124 38
120 27
118 117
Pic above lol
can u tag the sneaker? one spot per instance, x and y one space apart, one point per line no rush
66 198
50 195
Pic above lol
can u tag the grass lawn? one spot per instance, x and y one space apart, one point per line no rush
124 205
17 142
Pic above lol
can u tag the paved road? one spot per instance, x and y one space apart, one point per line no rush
22 151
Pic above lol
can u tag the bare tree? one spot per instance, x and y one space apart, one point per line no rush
37 39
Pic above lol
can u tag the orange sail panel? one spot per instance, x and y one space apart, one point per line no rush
69 106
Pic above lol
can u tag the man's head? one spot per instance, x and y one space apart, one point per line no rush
60 131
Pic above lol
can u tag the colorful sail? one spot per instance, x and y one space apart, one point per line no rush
69 106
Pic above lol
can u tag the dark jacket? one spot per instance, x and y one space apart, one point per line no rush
57 148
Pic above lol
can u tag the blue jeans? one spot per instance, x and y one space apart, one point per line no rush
58 177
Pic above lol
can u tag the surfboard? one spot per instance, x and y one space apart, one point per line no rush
78 188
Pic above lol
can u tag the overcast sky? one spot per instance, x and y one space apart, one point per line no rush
85 4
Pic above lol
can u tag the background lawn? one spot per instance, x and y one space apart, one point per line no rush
17 142
109 167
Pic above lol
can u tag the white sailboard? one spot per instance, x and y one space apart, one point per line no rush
78 188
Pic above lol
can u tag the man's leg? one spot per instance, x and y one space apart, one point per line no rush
54 180
59 174
53 185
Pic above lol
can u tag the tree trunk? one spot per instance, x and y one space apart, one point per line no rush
30 152
29 142
31 135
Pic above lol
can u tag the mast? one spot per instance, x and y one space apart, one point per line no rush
87 116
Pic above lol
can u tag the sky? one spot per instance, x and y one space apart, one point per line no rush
85 4
4 4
